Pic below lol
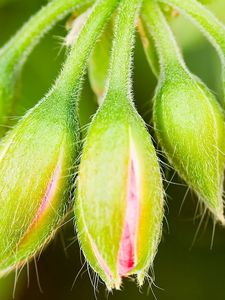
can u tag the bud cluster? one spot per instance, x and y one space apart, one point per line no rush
118 193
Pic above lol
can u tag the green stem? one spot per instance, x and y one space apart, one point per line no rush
121 60
76 62
99 62
156 25
149 46
18 48
213 29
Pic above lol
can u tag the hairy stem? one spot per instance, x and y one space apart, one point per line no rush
76 62
156 25
15 52
120 70
149 46
22 43
213 29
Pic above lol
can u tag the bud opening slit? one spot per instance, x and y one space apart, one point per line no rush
126 256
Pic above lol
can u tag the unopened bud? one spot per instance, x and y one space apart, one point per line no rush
119 205
36 160
190 128
188 120
119 200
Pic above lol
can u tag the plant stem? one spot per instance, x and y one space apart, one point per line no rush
156 25
20 45
149 46
213 29
15 52
76 62
121 60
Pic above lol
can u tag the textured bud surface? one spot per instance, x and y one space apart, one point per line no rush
119 204
36 161
119 201
188 120
190 128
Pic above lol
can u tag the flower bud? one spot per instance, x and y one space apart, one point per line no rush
190 127
119 201
36 163
119 198
188 120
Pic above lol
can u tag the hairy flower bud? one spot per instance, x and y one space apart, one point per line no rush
36 161
190 128
188 120
119 205
119 200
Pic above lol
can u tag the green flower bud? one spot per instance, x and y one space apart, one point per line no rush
37 157
15 52
190 127
188 120
36 161
119 200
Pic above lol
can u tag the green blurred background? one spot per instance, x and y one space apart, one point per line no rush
185 269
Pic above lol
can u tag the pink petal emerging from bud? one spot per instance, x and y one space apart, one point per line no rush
126 260
47 203
36 161
119 205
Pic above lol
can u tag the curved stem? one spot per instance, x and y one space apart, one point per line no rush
149 46
121 60
76 62
22 43
213 29
156 25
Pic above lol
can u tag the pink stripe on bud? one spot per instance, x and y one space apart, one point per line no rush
50 192
126 258
46 201
100 259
